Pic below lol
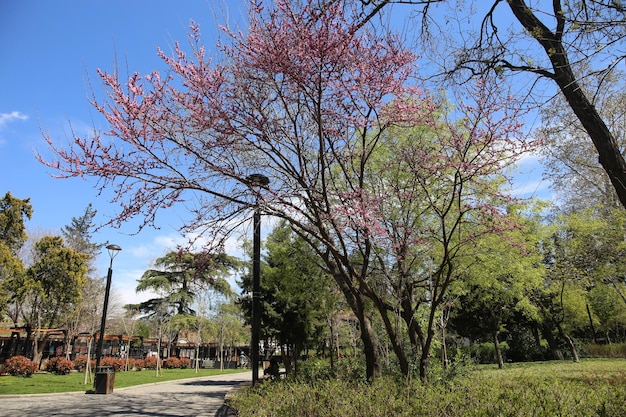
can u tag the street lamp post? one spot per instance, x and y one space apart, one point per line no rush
113 251
256 180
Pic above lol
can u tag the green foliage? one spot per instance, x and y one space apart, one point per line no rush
12 274
182 276
586 262
59 365
613 350
315 370
13 212
78 236
458 365
609 310
19 366
56 280
294 292
523 347
591 388
484 352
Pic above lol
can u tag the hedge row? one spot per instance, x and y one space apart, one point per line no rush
22 366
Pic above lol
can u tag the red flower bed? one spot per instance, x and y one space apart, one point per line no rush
19 366
59 365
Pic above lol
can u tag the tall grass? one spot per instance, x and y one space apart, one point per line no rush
589 388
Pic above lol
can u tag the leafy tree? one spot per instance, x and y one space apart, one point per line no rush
308 111
293 289
569 160
609 313
78 236
129 321
503 274
13 212
564 33
12 274
229 328
570 255
182 276
435 189
586 253
54 284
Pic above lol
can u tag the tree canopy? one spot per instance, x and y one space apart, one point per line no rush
309 112
563 43
181 277
13 213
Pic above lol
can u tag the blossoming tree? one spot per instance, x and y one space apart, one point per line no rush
307 98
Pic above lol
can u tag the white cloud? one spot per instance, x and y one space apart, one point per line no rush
6 118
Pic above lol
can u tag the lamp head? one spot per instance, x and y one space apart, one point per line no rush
113 250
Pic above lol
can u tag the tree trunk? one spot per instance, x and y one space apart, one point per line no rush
415 335
197 364
67 345
609 154
570 343
392 335
356 301
426 355
286 359
496 345
370 349
593 329
37 354
554 348
88 374
331 347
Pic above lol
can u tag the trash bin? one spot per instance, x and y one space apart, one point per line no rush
105 380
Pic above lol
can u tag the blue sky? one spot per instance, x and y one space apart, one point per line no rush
50 53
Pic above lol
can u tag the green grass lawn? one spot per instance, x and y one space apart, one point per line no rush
50 383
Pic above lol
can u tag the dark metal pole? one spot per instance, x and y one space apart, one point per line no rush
256 181
113 250
256 288
103 321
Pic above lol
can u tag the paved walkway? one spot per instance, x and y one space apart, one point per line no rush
190 397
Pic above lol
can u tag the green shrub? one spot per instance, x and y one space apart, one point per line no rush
351 369
484 352
20 366
313 370
458 366
347 368
523 346
614 350
540 390
59 365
